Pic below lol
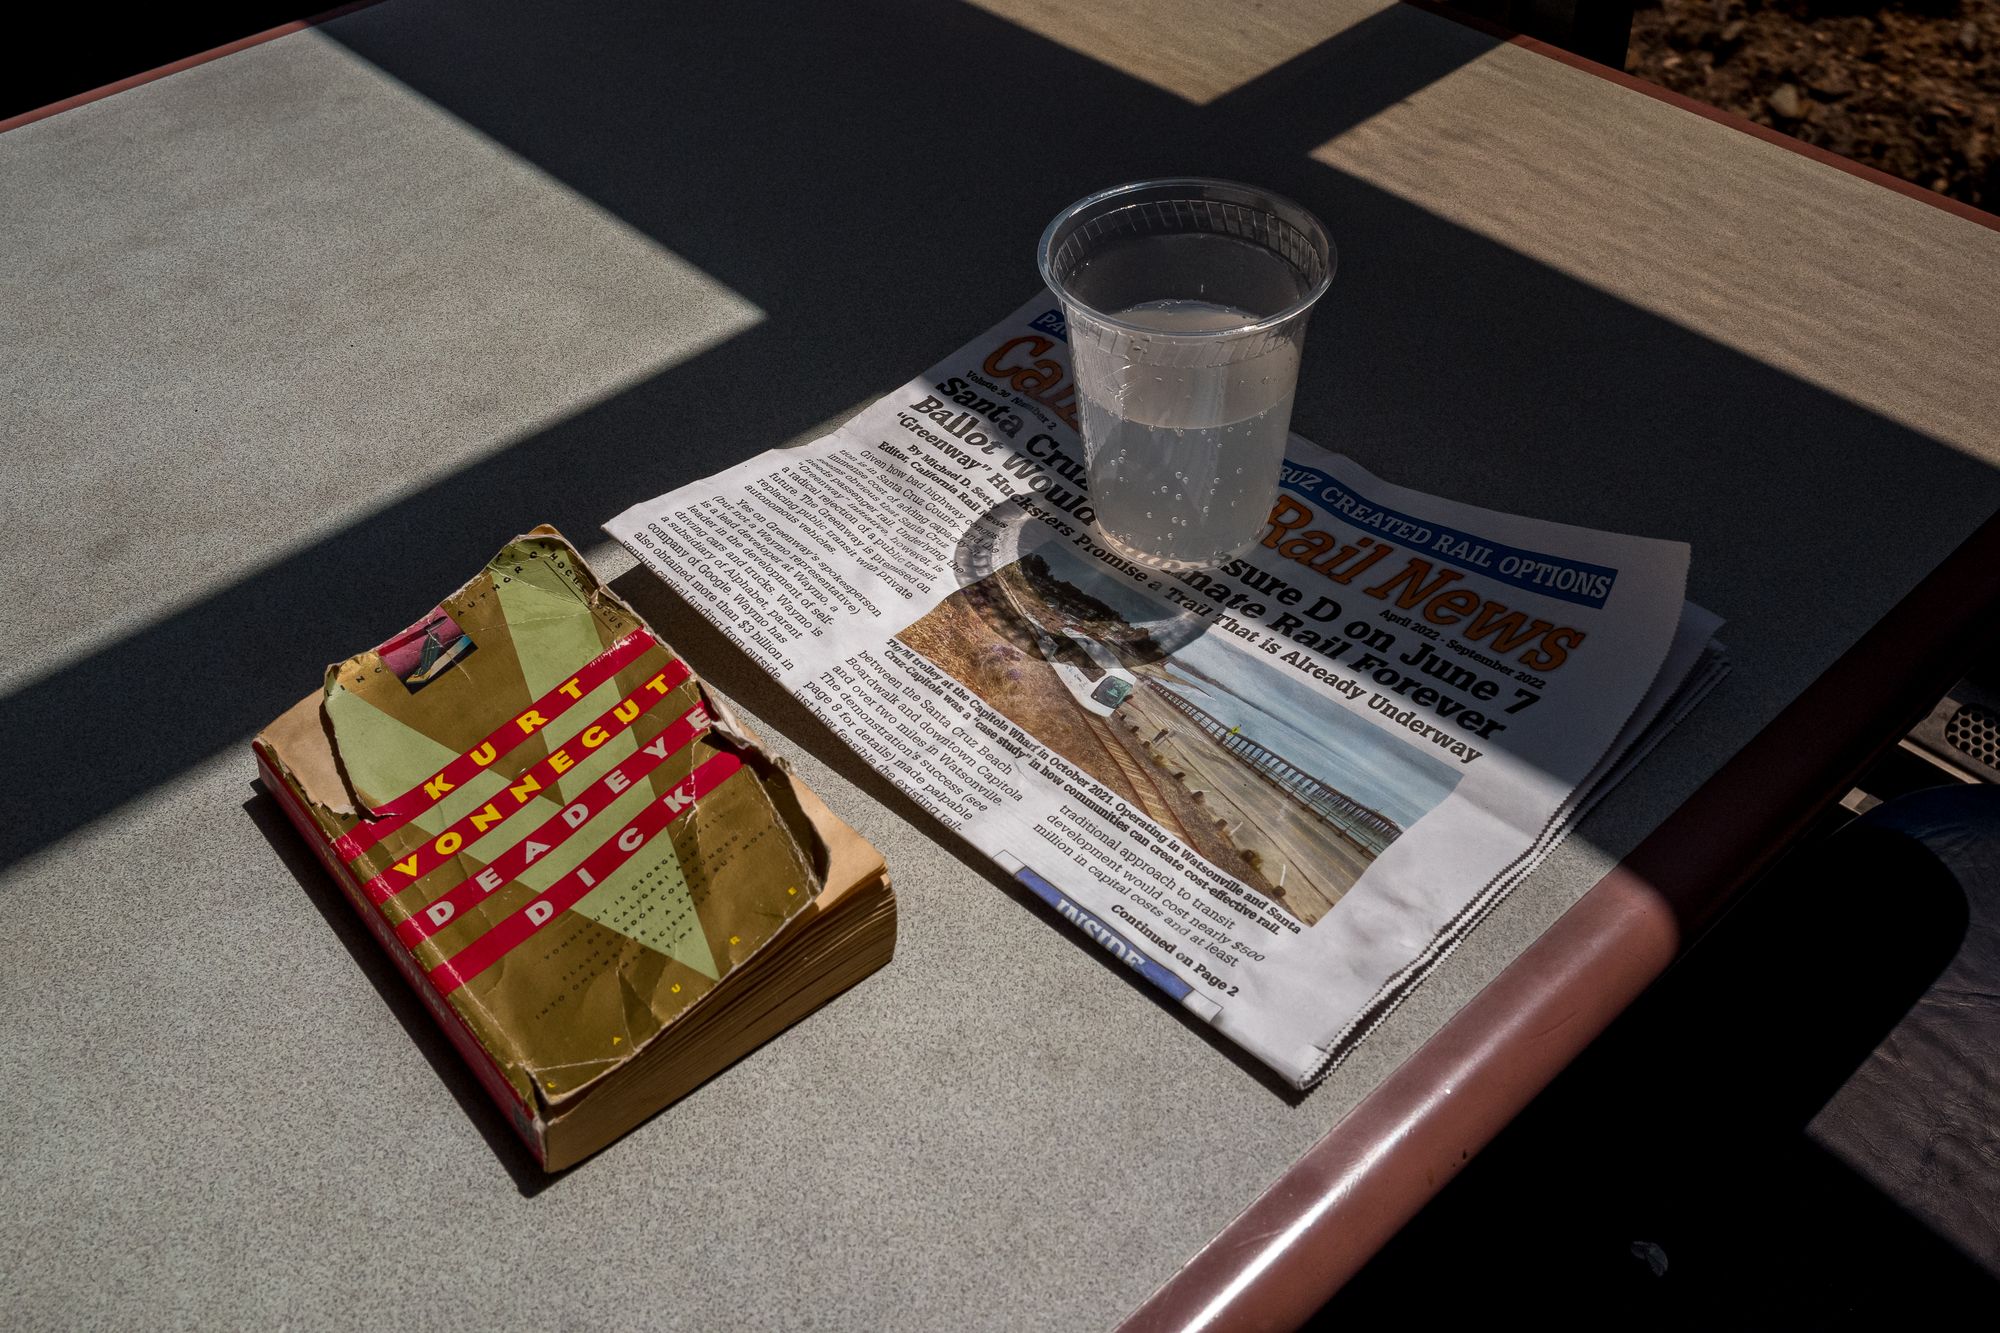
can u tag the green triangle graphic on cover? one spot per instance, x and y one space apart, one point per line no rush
385 758
554 634
552 628
647 898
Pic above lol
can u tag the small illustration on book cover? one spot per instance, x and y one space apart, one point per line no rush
426 650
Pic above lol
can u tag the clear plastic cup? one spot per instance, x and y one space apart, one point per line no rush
1187 303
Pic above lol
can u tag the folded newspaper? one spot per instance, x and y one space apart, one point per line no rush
1281 790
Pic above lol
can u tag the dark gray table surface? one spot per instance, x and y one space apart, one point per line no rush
290 341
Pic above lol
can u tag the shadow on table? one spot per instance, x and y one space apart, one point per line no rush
1695 1134
264 811
874 181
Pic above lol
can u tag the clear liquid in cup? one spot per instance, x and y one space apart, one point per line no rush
1183 460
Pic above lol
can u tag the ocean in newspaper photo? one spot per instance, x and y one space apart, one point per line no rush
1238 758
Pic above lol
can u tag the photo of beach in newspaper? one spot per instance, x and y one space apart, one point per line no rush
1279 790
1238 759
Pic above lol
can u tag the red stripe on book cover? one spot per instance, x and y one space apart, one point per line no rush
521 789
566 892
554 831
393 815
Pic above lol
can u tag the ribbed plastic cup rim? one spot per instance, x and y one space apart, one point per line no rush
1269 200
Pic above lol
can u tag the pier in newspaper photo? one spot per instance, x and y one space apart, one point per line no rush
1253 769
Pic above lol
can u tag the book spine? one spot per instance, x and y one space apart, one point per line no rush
518 1114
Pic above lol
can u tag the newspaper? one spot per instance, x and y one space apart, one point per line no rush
1280 790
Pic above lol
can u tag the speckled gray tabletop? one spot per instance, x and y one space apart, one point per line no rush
292 340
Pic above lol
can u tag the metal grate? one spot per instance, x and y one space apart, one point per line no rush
1975 731
1962 733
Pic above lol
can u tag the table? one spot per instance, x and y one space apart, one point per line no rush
296 336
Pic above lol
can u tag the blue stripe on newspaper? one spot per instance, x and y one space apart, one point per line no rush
1115 944
1550 575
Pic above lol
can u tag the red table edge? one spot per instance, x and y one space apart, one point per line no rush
1291 1249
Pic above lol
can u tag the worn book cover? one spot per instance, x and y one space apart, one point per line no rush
567 843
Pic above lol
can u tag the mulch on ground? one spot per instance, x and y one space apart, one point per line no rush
1912 88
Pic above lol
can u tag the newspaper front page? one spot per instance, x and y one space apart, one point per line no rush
1280 789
